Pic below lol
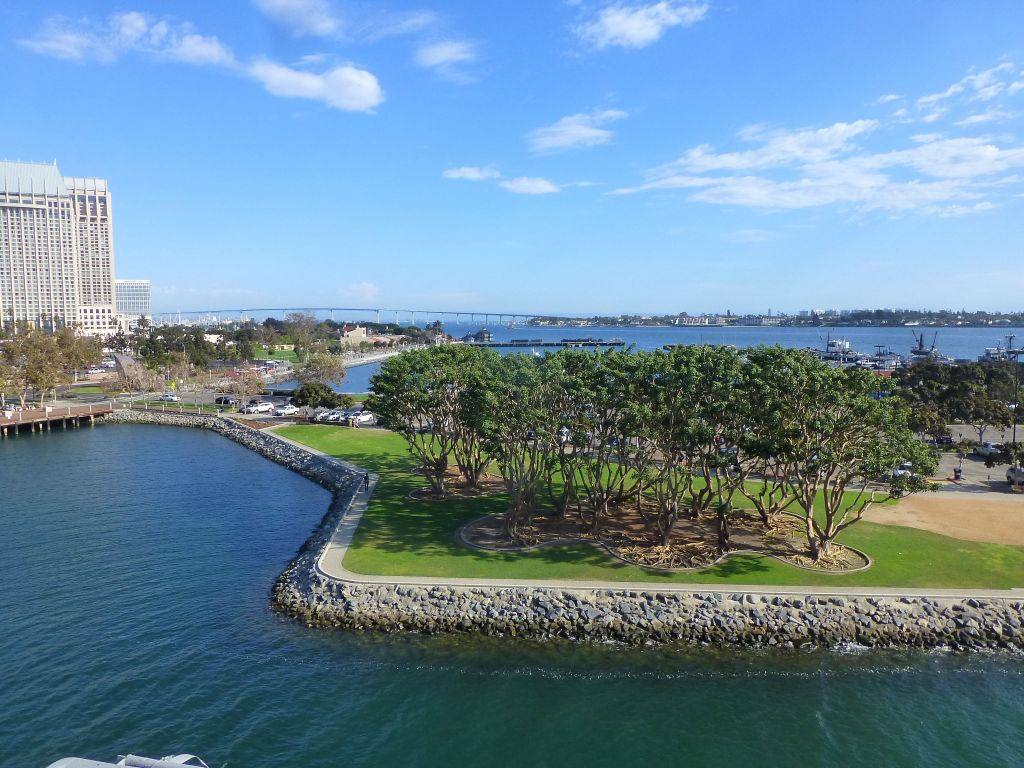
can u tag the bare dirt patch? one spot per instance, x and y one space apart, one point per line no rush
693 544
456 488
994 518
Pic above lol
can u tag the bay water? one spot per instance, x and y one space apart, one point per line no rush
958 343
135 569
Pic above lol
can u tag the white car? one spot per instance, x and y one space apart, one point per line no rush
259 408
286 410
1015 475
906 469
362 419
169 397
988 450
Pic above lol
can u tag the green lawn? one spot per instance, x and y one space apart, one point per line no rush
399 537
88 389
286 355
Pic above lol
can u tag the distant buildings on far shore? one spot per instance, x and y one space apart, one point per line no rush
57 254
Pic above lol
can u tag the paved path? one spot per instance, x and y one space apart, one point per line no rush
331 564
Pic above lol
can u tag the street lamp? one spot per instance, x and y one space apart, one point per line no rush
1015 354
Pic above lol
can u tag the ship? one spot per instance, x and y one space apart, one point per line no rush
132 761
919 353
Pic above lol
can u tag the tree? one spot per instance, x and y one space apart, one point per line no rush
300 327
247 384
40 367
845 444
982 412
321 367
518 434
408 400
77 351
316 395
761 447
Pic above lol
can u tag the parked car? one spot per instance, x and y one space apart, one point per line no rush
1015 475
286 410
362 419
988 450
169 397
906 469
225 400
259 408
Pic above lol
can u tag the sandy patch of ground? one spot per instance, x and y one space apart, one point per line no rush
991 518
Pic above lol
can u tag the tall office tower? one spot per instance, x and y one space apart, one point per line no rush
133 299
56 250
96 299
38 247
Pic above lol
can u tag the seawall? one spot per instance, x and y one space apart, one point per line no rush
711 617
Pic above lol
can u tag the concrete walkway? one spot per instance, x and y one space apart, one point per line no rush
331 564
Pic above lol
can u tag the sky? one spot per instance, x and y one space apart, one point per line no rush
538 156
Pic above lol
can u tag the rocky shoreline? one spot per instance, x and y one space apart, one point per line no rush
719 618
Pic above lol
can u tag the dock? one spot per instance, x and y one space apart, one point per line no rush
45 418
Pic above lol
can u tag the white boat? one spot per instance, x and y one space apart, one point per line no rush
132 761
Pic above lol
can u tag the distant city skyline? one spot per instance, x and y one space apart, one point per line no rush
575 158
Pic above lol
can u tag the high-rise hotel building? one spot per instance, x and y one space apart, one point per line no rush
56 250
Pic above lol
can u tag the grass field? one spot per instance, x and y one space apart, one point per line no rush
400 537
87 389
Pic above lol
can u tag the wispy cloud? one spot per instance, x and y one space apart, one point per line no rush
530 185
978 86
936 175
520 185
302 17
471 173
345 87
448 59
124 32
321 18
638 25
933 173
575 131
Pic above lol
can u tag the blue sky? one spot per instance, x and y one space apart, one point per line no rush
538 156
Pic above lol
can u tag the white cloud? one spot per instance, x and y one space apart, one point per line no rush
580 130
345 87
471 173
937 175
302 17
637 26
988 116
979 86
447 58
887 98
530 185
128 32
778 149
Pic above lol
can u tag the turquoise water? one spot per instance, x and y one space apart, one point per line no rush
135 565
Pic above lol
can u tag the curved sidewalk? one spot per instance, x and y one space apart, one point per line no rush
330 563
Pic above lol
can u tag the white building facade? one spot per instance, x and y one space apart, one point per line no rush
56 250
